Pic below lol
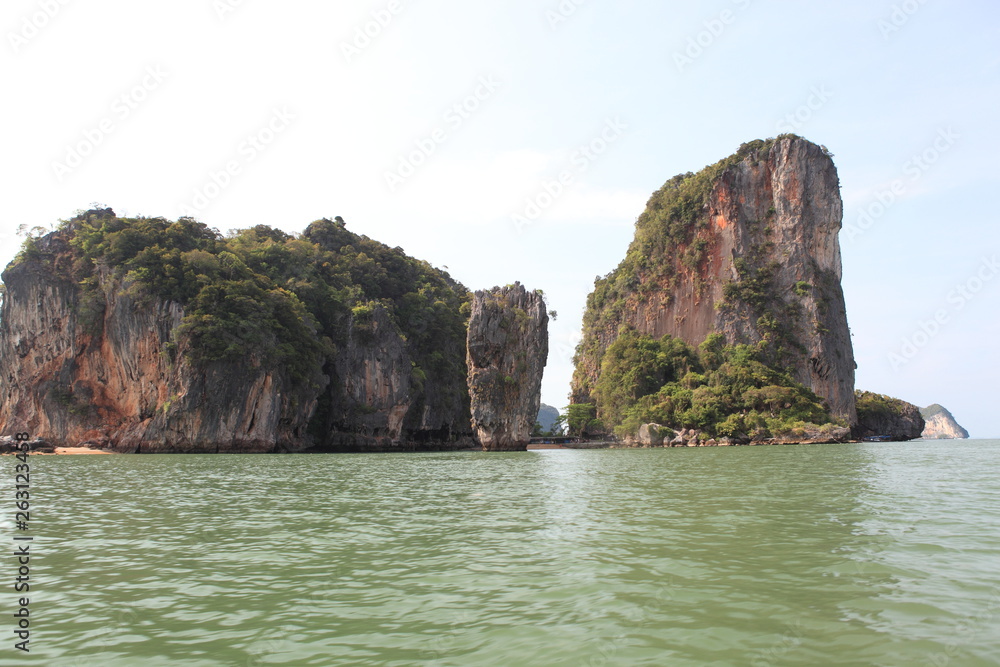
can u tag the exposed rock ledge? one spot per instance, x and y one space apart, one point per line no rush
655 435
886 417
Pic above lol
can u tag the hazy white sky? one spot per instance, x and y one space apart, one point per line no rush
433 124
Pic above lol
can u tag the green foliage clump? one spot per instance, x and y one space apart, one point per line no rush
233 319
754 285
874 407
933 411
777 318
271 297
719 389
581 420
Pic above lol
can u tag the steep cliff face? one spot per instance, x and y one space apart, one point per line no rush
380 400
940 424
507 349
746 248
887 417
113 383
92 353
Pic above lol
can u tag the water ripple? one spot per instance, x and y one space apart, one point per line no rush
839 555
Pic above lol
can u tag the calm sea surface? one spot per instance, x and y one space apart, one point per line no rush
873 554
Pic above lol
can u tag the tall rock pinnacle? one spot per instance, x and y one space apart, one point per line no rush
507 350
746 248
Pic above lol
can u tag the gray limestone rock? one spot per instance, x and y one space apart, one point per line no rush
507 351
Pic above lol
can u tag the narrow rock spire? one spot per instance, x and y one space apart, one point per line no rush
507 348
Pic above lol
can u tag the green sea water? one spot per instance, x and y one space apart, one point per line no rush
857 554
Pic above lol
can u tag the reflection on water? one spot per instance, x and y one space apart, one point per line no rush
834 555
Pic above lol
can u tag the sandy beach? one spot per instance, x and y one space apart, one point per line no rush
80 450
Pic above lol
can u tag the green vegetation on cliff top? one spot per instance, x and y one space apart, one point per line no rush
265 295
935 410
875 407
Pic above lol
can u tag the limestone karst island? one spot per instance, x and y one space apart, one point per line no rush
725 324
